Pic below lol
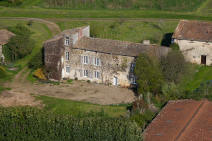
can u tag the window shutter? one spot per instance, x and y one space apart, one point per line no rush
91 74
93 59
81 75
100 62
81 59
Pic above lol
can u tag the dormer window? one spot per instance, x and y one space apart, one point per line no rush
67 41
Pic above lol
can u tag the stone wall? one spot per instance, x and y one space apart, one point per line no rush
52 58
193 50
0 53
111 66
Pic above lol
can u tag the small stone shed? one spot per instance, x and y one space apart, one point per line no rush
195 41
5 36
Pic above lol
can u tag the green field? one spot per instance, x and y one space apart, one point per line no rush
173 5
81 109
121 29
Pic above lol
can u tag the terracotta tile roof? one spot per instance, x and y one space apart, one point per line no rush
5 35
185 120
117 47
194 30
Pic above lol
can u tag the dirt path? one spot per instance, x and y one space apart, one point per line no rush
53 27
21 90
18 95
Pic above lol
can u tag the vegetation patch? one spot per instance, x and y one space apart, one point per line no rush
33 124
82 109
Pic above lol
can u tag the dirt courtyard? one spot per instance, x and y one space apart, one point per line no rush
84 91
22 90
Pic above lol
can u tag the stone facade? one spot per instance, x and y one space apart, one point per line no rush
195 51
73 54
98 67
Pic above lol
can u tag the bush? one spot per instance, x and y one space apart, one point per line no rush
174 46
39 74
32 124
36 61
174 66
3 72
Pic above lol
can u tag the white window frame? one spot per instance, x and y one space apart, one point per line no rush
67 56
85 59
67 40
68 69
97 74
85 73
133 80
132 67
97 61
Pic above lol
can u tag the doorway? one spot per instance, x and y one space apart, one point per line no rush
203 59
115 81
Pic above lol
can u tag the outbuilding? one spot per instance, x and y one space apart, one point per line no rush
195 41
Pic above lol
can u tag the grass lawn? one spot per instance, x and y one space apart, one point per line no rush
121 29
193 81
79 109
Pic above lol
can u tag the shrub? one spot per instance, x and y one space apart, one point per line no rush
39 74
32 124
36 61
174 46
3 72
174 66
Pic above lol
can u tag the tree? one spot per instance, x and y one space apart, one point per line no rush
148 75
20 45
37 61
173 66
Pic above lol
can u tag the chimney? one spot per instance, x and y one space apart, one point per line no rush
146 42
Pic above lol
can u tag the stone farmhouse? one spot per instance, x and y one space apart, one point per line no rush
195 41
5 36
73 54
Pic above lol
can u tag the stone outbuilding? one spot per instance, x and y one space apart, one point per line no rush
73 54
5 36
195 41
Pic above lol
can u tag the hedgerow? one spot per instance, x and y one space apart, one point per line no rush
37 125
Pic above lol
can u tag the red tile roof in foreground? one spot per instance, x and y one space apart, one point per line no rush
184 120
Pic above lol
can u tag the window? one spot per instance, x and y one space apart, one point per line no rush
132 67
96 61
67 56
85 59
97 74
85 74
67 41
133 80
68 69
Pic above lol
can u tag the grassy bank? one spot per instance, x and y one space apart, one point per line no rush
81 109
59 13
121 29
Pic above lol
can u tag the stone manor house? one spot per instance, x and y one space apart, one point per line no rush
195 41
73 54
